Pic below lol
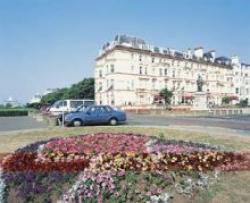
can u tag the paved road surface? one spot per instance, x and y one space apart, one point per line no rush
236 123
19 123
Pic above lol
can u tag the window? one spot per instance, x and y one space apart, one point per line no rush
100 87
160 72
237 90
165 72
107 83
140 70
102 109
93 109
173 74
75 104
153 71
140 57
153 59
100 73
146 71
132 84
112 68
88 103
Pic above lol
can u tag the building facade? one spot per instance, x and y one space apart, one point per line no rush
131 72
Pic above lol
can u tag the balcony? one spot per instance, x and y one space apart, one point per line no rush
141 90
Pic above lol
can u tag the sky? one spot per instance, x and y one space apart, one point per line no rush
53 43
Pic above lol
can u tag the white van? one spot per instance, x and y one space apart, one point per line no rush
69 105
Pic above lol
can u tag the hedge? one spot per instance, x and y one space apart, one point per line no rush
13 112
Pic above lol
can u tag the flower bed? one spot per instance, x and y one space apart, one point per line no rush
113 168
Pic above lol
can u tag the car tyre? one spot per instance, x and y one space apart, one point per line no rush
113 121
77 123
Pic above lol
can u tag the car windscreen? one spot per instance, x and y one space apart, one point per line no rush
59 104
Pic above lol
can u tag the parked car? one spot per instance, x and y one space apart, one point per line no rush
69 105
95 114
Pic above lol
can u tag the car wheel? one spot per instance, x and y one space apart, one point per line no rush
113 121
77 123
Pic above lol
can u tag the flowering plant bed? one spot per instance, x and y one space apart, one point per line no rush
113 168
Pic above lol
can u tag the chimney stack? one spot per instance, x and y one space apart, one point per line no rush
198 52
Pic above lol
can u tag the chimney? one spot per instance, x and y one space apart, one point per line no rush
213 54
198 52
189 53
235 60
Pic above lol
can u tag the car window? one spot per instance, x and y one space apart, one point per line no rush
102 110
88 103
60 104
108 109
93 109
56 104
75 104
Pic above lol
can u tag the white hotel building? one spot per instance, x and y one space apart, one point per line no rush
131 72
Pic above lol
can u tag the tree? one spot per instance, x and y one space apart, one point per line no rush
167 95
85 89
225 100
8 106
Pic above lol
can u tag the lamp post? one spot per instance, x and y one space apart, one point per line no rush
182 90
208 93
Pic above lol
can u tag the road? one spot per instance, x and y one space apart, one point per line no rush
239 124
236 124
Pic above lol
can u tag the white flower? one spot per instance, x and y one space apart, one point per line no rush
163 198
2 187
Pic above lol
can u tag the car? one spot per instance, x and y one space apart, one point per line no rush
69 105
95 114
80 108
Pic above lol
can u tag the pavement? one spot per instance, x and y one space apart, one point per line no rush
20 123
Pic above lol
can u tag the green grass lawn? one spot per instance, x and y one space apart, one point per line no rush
232 187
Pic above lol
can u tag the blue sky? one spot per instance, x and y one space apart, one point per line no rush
53 43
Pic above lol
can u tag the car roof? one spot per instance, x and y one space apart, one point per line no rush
94 105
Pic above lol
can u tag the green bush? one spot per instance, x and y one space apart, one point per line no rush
243 103
13 112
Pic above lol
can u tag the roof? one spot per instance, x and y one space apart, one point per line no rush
165 55
198 48
208 55
222 58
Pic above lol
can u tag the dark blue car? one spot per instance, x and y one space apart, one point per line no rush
95 114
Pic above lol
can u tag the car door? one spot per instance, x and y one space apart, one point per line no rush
104 114
91 116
